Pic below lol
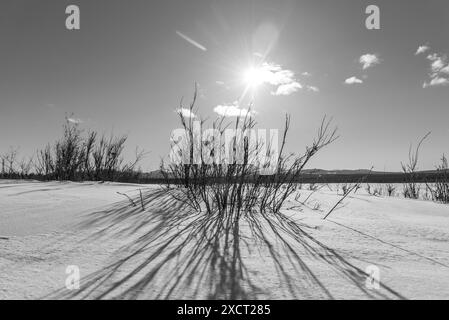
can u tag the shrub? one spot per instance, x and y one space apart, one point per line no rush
9 162
391 189
236 187
411 187
75 157
440 189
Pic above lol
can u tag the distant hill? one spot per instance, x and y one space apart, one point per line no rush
158 174
339 176
343 171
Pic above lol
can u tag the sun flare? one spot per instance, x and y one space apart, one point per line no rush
254 76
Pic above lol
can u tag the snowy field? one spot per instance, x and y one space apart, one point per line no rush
46 227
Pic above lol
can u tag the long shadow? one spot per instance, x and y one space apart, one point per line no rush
177 252
57 186
391 244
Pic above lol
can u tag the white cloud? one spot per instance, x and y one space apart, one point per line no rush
186 113
313 89
219 82
273 74
287 89
432 56
438 63
437 81
439 70
232 110
422 49
283 81
353 80
445 69
368 60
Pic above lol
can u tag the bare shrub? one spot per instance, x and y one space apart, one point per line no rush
368 189
9 163
377 191
428 193
237 186
107 157
76 157
44 164
345 188
391 189
12 167
129 172
411 187
68 153
348 187
440 189
25 166
88 149
238 200
313 186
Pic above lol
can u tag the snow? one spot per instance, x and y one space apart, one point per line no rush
45 227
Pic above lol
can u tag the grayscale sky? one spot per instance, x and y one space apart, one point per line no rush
132 61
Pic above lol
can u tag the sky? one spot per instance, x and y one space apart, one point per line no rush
131 62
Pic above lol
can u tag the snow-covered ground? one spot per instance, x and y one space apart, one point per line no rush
46 227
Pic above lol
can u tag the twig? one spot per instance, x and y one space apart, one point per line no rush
347 193
141 200
339 201
130 200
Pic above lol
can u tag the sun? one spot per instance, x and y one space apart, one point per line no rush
254 76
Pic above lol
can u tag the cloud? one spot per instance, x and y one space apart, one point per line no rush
220 83
306 74
353 80
287 89
445 69
422 49
186 113
191 41
437 81
313 89
275 75
232 110
75 120
438 62
283 82
368 60
432 56
439 70
437 65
